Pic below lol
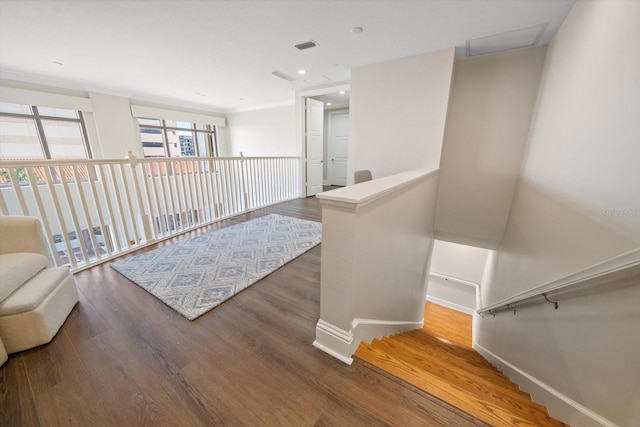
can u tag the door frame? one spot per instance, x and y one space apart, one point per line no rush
330 115
300 102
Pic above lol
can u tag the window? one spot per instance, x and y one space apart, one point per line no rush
29 132
171 138
34 133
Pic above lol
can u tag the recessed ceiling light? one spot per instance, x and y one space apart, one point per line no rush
328 103
342 92
302 72
357 30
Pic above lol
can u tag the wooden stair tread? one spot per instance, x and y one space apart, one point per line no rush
473 405
436 354
420 337
456 374
440 349
501 394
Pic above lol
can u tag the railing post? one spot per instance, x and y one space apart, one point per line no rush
143 217
245 195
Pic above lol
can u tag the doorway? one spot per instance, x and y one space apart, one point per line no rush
334 99
337 147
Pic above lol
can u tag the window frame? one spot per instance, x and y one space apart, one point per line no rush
209 130
38 118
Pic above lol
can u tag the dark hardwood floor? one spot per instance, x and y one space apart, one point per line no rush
123 358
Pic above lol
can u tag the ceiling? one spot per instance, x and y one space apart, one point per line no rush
219 55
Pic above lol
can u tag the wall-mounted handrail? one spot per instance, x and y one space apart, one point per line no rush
627 262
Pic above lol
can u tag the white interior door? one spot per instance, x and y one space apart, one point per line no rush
338 147
314 133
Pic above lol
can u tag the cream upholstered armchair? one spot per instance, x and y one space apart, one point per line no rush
35 298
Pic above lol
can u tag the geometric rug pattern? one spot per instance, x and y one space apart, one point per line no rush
195 275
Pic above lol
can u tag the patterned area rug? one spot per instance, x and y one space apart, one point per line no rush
196 275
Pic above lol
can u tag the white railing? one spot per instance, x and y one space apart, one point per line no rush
96 210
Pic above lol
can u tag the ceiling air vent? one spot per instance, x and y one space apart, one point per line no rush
284 76
306 45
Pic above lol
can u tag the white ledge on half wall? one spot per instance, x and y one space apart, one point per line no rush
357 195
375 235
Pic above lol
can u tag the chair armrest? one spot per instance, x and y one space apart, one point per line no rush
22 234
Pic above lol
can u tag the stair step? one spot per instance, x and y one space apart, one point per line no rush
485 384
478 407
421 337
438 352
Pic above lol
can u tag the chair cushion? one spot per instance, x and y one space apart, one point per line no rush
18 267
33 292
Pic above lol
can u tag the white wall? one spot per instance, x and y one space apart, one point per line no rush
397 114
577 203
376 246
459 261
268 132
456 275
492 100
116 127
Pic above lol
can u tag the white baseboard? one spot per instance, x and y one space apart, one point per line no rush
334 341
326 182
450 305
329 351
559 405
342 344
365 330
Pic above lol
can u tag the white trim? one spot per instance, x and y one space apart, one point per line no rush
556 402
45 99
262 107
347 360
342 344
451 305
169 114
334 341
353 197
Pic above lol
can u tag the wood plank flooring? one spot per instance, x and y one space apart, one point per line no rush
123 358
439 360
444 322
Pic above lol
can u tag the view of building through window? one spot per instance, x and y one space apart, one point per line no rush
170 138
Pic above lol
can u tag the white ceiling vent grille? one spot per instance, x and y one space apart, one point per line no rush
283 76
306 45
518 39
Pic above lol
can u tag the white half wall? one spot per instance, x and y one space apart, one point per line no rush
492 99
577 203
397 114
268 132
376 246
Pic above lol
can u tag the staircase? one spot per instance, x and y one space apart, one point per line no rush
456 374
